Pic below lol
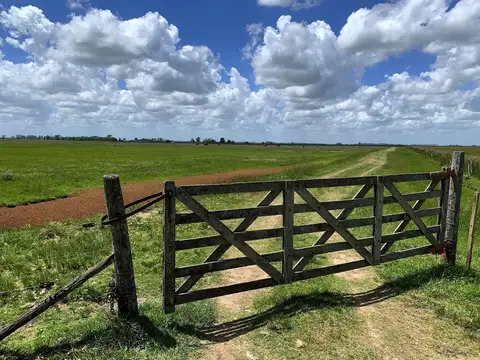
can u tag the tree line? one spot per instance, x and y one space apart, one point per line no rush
112 138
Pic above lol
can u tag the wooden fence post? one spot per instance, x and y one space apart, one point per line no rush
453 212
125 288
169 209
471 232
288 222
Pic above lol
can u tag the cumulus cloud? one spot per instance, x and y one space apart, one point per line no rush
304 61
76 68
97 69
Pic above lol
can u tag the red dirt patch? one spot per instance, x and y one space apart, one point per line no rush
89 202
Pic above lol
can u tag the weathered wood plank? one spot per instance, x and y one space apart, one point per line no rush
368 241
256 186
223 290
418 204
328 270
53 299
213 240
219 239
367 180
329 218
225 264
438 175
418 221
189 218
407 253
229 214
125 287
303 262
453 213
408 234
218 226
404 216
378 214
288 223
169 235
334 182
223 248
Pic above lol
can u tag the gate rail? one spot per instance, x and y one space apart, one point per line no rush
373 249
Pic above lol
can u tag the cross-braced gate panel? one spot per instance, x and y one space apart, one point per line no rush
373 249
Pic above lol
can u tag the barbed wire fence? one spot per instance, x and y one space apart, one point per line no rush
121 288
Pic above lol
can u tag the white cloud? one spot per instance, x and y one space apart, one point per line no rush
308 78
295 4
78 4
304 61
101 39
254 31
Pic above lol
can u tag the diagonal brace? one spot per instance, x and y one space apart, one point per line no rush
403 225
410 212
223 248
229 235
331 220
304 261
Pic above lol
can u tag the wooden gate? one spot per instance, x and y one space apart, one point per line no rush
374 249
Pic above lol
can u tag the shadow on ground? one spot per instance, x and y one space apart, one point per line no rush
317 300
143 331
120 334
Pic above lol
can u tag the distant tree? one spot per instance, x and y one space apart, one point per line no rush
209 141
192 140
197 139
222 140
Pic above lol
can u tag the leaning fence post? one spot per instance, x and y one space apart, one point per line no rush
125 287
453 212
471 232
169 248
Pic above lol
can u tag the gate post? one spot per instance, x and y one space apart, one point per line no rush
125 288
288 221
453 208
169 235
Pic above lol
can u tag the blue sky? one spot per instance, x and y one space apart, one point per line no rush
331 71
225 30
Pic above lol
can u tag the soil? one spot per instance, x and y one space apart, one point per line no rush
89 202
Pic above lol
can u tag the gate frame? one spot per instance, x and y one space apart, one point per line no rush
446 232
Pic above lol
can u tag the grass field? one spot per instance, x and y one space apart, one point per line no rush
32 171
319 313
469 150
